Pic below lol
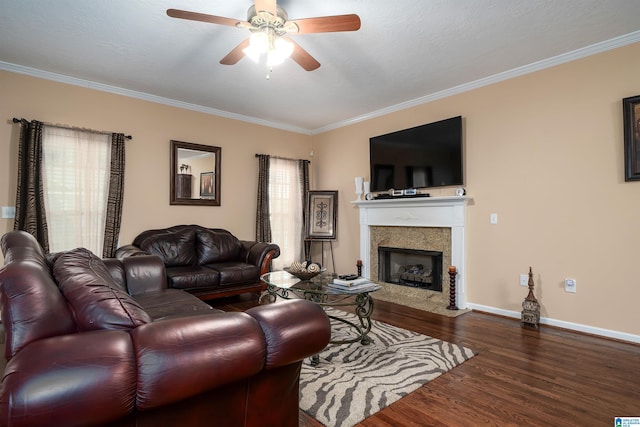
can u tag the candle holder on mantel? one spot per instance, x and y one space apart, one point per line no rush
359 183
452 288
530 307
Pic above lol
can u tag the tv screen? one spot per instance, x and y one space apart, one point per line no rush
424 156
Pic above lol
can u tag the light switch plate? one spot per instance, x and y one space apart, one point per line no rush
8 212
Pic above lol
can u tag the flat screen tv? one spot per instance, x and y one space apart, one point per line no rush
421 157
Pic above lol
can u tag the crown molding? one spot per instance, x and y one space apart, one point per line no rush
614 43
516 72
61 78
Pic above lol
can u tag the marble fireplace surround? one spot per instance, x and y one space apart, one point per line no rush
428 223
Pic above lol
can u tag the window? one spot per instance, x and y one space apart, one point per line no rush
286 210
76 170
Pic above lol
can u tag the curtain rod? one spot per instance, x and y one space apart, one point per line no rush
282 158
15 120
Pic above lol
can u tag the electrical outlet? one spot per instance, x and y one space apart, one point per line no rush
570 285
524 280
493 218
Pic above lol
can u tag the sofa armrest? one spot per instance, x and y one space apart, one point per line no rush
144 273
129 251
293 329
72 380
182 357
260 254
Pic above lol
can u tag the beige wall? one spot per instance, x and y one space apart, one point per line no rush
146 201
543 151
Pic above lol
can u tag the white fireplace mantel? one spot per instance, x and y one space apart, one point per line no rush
417 212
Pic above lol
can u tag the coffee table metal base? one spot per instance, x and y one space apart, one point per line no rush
362 302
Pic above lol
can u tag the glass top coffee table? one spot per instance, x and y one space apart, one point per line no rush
287 286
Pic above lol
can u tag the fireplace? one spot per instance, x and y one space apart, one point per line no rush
414 268
430 224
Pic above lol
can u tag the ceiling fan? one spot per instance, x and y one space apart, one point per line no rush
269 24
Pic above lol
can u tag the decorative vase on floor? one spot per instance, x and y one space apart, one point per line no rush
530 307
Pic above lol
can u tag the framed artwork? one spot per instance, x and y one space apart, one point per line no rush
207 184
322 207
631 115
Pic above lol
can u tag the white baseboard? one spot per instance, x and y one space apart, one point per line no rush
623 336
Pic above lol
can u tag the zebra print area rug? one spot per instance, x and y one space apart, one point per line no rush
354 381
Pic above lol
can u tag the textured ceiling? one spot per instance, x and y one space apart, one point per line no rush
405 52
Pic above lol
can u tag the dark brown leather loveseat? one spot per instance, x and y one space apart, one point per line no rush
207 262
105 342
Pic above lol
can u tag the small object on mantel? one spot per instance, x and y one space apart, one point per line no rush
452 288
530 307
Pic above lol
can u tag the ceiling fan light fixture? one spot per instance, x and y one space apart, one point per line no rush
279 51
260 41
252 53
268 42
283 47
273 58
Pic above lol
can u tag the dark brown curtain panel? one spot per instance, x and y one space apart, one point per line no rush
30 210
303 172
114 201
263 226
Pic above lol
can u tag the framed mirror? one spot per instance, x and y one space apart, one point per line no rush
195 174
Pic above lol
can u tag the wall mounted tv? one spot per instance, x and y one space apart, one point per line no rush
424 156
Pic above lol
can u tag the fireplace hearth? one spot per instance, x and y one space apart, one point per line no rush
423 223
410 267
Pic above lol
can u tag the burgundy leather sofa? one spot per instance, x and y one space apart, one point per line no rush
105 342
207 262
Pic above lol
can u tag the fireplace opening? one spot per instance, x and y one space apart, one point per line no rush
410 267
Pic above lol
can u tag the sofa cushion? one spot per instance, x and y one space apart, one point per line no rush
32 306
95 298
217 245
175 248
233 273
170 303
192 277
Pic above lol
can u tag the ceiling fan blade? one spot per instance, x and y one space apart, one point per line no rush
327 24
302 57
236 54
202 17
266 6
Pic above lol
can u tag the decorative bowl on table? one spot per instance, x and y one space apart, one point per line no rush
305 270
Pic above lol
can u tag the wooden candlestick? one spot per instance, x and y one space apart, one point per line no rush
452 288
359 267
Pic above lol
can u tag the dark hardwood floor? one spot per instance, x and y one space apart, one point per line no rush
520 377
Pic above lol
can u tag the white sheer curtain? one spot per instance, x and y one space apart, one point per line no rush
76 186
285 200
